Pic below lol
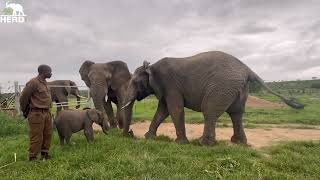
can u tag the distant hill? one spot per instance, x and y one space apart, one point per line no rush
305 84
301 86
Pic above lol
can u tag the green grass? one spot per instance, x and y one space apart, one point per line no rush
115 157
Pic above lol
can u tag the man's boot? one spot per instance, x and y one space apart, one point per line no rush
45 156
32 158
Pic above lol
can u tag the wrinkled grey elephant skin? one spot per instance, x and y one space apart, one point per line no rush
72 121
211 83
107 79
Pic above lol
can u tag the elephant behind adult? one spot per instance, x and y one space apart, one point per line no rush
211 83
108 83
60 90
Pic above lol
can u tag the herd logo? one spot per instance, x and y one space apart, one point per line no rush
12 13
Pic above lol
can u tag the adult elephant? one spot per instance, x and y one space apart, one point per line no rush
60 90
108 83
211 83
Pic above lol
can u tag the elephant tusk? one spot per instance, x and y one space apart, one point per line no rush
126 105
82 97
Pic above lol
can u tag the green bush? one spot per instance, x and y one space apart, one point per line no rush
315 85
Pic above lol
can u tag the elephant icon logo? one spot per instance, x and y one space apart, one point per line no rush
12 13
16 9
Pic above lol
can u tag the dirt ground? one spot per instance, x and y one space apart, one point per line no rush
257 137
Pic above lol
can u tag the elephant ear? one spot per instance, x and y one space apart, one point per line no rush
68 88
72 83
74 86
146 66
152 82
92 115
84 71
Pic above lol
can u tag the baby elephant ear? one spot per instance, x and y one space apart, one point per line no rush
146 64
99 113
92 115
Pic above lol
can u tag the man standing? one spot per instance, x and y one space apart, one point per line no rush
35 103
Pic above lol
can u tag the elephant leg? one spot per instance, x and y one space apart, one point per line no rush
88 132
161 114
176 110
235 112
67 138
209 131
215 104
109 111
239 135
61 139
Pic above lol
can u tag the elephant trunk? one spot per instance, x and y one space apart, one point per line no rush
127 110
131 97
98 94
105 127
127 119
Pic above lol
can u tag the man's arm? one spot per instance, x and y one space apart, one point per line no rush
25 97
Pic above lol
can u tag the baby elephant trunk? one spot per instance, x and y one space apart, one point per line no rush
105 127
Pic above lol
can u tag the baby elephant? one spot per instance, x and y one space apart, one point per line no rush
72 121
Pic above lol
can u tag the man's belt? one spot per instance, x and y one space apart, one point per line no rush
39 110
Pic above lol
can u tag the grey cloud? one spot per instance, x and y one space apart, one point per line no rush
278 39
255 28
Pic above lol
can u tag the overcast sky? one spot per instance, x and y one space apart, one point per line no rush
278 39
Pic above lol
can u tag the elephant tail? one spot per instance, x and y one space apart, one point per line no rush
290 102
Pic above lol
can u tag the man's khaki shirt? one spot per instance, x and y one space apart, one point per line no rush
36 94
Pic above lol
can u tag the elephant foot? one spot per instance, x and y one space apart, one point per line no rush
90 141
150 135
120 124
182 140
207 141
129 133
113 126
239 139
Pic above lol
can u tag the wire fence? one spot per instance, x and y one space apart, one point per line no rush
11 102
13 92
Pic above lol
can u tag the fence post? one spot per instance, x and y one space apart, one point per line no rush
17 96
